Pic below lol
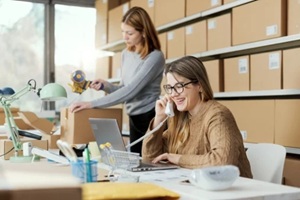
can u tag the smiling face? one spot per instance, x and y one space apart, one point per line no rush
131 36
189 100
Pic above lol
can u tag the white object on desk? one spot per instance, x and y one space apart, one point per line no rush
49 155
241 189
214 178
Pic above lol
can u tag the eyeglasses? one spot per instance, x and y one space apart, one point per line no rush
178 87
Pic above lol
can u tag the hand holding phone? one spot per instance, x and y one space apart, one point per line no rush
169 109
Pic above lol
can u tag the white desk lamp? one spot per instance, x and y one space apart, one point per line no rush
50 92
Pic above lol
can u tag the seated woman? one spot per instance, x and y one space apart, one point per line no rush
203 132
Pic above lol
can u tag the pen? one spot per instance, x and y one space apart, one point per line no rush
87 161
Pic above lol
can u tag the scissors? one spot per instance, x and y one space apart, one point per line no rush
67 150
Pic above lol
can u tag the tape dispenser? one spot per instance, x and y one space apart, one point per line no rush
80 84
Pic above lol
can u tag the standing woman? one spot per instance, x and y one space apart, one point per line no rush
142 70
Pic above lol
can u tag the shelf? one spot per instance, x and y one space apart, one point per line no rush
249 48
119 45
262 93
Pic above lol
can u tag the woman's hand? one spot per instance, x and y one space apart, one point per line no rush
97 84
172 158
160 107
75 107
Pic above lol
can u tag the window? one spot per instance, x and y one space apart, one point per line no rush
22 49
74 48
22 39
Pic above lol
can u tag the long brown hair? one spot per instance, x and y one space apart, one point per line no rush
193 69
139 19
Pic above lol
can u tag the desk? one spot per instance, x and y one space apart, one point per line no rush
46 180
242 189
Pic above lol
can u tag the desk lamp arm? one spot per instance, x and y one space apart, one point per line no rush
11 125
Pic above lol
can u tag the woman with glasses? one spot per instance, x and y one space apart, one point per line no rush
202 132
142 71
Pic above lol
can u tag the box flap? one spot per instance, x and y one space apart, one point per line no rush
43 125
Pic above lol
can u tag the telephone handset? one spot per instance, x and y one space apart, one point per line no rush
169 112
169 109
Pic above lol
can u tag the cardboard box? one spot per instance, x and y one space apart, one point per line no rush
163 43
176 43
125 119
237 74
196 38
219 32
6 145
291 173
266 71
115 16
163 82
228 1
103 68
195 7
287 117
176 11
214 69
258 20
291 68
14 112
255 119
148 5
116 65
293 17
44 126
75 127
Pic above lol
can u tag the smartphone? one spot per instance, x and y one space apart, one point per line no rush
169 109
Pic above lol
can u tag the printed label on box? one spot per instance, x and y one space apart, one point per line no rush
189 30
274 61
170 35
214 2
212 24
271 30
150 3
243 66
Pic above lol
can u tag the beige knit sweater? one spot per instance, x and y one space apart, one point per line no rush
214 140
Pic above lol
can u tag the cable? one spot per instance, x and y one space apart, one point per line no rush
7 152
147 134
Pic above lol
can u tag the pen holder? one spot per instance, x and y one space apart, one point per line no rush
85 171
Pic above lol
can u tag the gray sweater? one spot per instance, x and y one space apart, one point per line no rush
140 83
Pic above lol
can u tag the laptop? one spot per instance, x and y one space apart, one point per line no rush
107 130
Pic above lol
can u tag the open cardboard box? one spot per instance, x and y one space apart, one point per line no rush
45 126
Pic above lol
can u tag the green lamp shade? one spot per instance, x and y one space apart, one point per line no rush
53 92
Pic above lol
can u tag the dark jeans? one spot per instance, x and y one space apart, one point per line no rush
138 127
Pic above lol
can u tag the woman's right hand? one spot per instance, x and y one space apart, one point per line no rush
97 84
160 107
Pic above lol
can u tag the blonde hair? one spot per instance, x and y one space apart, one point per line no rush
139 19
193 69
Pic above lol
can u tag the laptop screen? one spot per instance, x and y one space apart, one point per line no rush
107 130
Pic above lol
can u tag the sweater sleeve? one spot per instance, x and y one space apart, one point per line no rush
154 145
152 66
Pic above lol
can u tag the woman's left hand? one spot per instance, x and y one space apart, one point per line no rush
172 158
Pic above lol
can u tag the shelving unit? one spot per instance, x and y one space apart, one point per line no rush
119 45
281 43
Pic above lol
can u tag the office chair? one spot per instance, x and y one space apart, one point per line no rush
267 161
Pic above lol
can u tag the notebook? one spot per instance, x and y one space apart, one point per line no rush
107 130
